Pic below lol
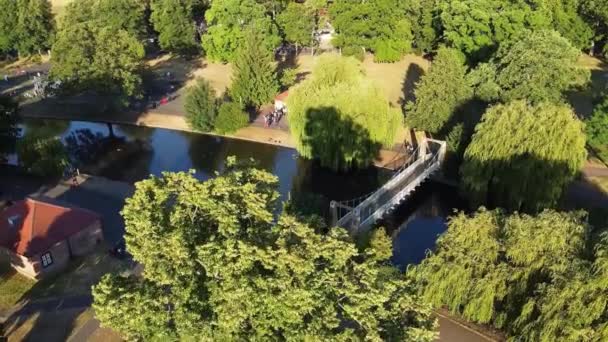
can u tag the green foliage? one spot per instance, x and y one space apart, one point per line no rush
596 128
354 51
565 19
483 81
378 25
88 56
477 27
42 156
595 13
230 118
297 23
8 22
174 22
540 67
213 253
528 275
229 21
26 26
254 79
522 156
338 117
9 129
425 25
440 93
201 106
128 15
288 77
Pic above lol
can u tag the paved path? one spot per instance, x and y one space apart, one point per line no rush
595 171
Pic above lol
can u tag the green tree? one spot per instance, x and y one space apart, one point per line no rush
377 25
254 79
228 23
540 67
42 156
425 24
297 23
522 156
595 13
94 51
565 19
338 117
128 15
174 21
597 129
230 118
528 275
35 26
9 129
477 27
201 106
217 266
8 23
440 93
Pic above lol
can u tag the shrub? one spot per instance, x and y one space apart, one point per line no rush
354 51
230 118
201 106
387 52
288 77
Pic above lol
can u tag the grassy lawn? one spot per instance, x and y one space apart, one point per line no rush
601 182
13 286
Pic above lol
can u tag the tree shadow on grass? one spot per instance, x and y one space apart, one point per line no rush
412 77
338 142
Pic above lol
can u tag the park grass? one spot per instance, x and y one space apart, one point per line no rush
58 6
13 286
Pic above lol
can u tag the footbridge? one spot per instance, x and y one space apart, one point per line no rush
359 214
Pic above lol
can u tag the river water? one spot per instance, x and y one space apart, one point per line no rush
414 225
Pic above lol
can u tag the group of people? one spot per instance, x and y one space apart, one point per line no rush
274 117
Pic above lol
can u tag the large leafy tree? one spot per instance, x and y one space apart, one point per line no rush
218 267
440 93
297 23
540 67
533 276
201 106
35 26
90 56
565 19
228 23
9 130
522 156
477 27
595 12
423 15
338 117
128 15
254 78
8 23
174 21
377 25
597 128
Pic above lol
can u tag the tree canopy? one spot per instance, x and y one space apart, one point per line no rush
254 80
174 21
376 25
201 106
26 26
540 67
218 267
533 276
229 21
340 118
88 56
597 128
440 93
297 23
522 156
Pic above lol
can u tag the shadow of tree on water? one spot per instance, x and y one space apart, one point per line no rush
338 142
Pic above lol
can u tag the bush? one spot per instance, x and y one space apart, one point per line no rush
288 77
230 118
201 106
354 51
387 52
42 156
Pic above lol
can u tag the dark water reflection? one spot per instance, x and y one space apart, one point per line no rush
414 225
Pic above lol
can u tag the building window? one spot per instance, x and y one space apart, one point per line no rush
47 259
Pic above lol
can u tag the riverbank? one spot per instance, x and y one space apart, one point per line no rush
156 119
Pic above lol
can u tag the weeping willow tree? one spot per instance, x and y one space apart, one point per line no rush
340 118
522 156
532 276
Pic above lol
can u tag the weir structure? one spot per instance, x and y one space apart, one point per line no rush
358 215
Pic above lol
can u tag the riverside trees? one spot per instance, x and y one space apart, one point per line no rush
338 117
217 266
26 26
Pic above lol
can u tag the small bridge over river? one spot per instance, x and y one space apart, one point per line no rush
359 214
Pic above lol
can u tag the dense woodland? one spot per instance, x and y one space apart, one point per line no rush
218 266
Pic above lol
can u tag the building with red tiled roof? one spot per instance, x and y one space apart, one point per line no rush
40 237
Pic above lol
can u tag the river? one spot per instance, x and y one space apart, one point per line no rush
414 225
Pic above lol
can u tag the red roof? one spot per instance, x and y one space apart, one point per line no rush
282 96
30 227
